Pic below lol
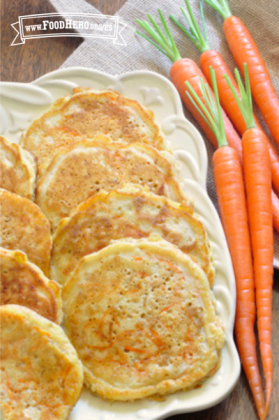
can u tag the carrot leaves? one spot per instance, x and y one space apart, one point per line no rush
210 110
221 6
162 41
198 37
244 103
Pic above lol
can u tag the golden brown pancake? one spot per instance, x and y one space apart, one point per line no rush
80 171
142 318
41 375
86 114
128 212
23 283
17 169
23 226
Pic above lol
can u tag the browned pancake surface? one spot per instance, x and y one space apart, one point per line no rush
142 318
130 212
83 116
23 226
17 169
41 375
23 283
80 171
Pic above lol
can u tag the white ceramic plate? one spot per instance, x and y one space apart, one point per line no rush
21 103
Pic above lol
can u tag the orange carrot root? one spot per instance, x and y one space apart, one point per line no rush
275 211
257 176
245 50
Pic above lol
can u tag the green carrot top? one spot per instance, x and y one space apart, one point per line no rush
221 6
244 102
198 37
211 113
162 41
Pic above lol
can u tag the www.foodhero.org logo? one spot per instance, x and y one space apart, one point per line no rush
68 24
55 25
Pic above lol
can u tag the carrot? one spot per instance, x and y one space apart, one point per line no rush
233 211
184 69
213 58
275 211
257 176
245 50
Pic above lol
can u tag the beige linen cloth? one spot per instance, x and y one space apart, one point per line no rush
260 16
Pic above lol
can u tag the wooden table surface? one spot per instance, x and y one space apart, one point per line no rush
38 56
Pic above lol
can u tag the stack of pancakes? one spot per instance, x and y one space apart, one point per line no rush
112 246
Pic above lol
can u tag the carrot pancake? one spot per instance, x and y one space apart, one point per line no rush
80 171
23 226
128 212
23 283
17 169
86 114
41 375
142 318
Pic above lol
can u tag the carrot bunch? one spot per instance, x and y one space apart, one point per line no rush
242 171
213 58
185 69
257 175
242 218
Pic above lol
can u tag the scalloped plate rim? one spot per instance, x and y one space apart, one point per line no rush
200 185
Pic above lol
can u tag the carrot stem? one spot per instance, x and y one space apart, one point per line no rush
163 42
165 26
221 6
197 37
165 46
200 107
153 43
212 114
203 24
158 30
187 33
245 101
